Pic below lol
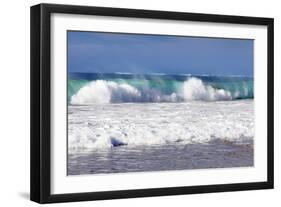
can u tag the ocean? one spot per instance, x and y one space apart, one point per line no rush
120 123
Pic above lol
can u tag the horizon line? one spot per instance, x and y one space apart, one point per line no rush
181 74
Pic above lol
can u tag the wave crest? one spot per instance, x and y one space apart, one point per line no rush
195 89
102 91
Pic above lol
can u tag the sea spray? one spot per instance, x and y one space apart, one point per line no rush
195 89
127 88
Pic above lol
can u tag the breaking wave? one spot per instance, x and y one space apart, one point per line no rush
193 88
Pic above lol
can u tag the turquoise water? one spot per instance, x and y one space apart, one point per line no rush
159 87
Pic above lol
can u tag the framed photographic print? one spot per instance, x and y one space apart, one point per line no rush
132 103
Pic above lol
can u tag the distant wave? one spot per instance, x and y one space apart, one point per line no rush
142 90
123 73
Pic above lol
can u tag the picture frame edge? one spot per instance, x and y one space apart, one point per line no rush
40 105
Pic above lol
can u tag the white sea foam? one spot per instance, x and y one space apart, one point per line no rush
101 91
101 126
195 89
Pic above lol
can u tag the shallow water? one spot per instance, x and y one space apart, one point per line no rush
216 154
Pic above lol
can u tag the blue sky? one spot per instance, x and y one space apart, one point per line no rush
143 54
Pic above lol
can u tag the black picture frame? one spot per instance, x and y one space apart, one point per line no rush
40 184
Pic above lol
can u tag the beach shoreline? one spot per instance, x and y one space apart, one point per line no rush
124 159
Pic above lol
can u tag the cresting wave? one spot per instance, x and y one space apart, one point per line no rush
143 90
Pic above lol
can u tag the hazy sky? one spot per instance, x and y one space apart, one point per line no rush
134 53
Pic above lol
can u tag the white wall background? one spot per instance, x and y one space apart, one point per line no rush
14 102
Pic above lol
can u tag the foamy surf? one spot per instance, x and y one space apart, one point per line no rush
103 126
